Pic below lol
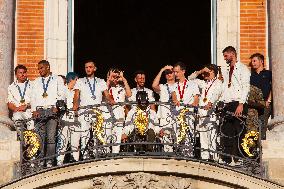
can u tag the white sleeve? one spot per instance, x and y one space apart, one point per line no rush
78 84
195 89
33 95
129 123
151 95
103 85
245 81
60 89
214 96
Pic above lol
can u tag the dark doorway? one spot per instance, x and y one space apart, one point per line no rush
141 34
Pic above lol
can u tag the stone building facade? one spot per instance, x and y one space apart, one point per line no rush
31 30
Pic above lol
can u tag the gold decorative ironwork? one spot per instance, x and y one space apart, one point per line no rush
249 141
98 126
141 121
183 127
32 142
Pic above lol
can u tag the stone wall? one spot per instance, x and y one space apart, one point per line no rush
148 173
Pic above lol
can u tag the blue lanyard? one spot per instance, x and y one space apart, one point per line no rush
45 86
168 89
22 95
92 89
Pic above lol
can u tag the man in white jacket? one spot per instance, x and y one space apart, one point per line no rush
235 94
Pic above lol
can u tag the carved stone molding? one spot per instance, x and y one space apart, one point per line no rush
141 180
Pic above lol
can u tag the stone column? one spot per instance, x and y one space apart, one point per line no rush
227 27
9 147
273 152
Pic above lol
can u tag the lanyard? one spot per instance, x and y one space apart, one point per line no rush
45 86
181 93
22 95
92 89
207 89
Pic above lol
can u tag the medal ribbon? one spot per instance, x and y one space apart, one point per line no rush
45 86
110 93
207 89
230 75
22 95
181 93
92 89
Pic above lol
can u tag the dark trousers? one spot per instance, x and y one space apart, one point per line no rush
149 136
232 132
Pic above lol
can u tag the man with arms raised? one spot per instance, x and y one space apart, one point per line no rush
118 89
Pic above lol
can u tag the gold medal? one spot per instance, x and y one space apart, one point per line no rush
44 95
22 101
204 99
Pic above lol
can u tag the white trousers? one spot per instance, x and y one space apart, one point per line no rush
69 134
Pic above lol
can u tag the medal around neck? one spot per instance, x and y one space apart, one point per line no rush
44 95
205 99
94 97
22 101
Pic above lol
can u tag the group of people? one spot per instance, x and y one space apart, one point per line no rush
231 85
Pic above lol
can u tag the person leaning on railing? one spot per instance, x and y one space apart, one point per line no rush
89 91
140 125
185 93
19 98
46 91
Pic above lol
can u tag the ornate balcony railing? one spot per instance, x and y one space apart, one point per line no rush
183 136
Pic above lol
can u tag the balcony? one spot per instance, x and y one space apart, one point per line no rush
177 140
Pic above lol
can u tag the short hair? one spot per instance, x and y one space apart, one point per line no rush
20 66
139 72
45 62
71 76
258 55
230 49
181 65
89 60
212 67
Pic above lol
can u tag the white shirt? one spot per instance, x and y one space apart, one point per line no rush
212 89
148 91
190 90
151 114
55 91
240 84
118 93
14 94
85 91
165 94
68 97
